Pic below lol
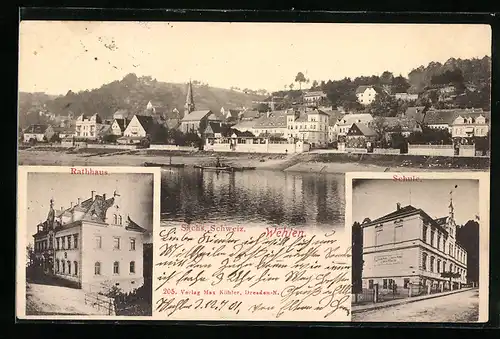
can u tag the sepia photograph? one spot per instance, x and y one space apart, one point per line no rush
87 242
418 249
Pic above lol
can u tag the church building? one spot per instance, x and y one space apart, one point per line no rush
195 121
93 244
407 246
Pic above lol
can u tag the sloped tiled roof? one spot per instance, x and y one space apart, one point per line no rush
36 129
364 129
416 113
277 119
245 124
354 117
240 134
122 123
314 94
132 226
435 117
215 127
196 115
147 122
362 89
407 125
250 114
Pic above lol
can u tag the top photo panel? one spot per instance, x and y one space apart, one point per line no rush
315 97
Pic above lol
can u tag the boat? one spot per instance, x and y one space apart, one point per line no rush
154 164
224 168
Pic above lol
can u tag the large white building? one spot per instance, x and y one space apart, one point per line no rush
93 243
366 94
408 246
88 127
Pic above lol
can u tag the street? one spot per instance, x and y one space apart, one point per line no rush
459 307
56 300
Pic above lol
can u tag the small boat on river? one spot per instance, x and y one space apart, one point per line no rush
154 164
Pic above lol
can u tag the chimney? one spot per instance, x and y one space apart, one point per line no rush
398 206
92 194
71 204
104 197
61 208
78 201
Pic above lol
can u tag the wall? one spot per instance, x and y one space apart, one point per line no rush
299 147
431 150
72 254
355 150
107 255
467 150
386 151
173 148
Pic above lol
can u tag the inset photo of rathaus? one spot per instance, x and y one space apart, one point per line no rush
415 250
89 247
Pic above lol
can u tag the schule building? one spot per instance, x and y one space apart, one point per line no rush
92 244
409 248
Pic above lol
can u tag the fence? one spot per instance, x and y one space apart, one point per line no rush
100 302
431 150
386 151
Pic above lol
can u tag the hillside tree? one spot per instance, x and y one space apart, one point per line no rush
300 78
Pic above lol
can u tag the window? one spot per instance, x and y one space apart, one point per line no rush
116 243
384 285
391 283
451 267
116 267
424 233
69 242
75 264
449 249
424 261
406 283
57 265
438 268
63 244
97 268
444 266
398 233
432 264
132 244
57 243
432 237
370 284
75 240
378 235
132 267
119 220
98 241
438 243
115 219
69 267
63 266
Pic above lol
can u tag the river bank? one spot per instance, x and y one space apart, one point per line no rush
305 162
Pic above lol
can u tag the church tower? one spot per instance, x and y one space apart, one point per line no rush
451 217
189 106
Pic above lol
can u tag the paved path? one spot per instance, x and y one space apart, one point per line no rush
458 307
52 300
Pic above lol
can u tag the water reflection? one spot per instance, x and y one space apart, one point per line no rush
253 197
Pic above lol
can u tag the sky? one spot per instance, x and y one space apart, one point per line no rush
76 55
374 198
136 193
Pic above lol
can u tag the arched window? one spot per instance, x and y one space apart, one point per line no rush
115 219
132 267
116 267
97 268
119 220
75 264
69 267
63 266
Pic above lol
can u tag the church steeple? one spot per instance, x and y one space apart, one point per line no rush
189 106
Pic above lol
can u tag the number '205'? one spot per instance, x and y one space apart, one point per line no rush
168 291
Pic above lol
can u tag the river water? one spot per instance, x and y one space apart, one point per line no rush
252 198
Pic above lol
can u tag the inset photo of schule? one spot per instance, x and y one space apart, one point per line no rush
415 250
89 246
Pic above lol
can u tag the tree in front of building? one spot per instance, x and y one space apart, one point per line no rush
468 236
450 275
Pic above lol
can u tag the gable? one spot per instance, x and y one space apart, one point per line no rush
135 125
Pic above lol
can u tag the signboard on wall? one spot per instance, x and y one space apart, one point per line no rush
388 259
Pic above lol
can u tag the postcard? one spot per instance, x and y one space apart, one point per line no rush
420 247
231 145
84 242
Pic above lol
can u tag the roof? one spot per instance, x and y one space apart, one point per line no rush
405 123
147 122
36 129
405 212
215 127
318 111
445 116
314 94
364 129
351 118
416 113
64 129
89 206
122 123
250 114
277 119
130 225
172 123
196 115
362 89
240 134
334 115
245 124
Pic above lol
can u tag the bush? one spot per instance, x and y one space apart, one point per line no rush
135 303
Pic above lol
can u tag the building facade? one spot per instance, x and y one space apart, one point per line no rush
93 244
87 127
310 126
409 248
366 94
